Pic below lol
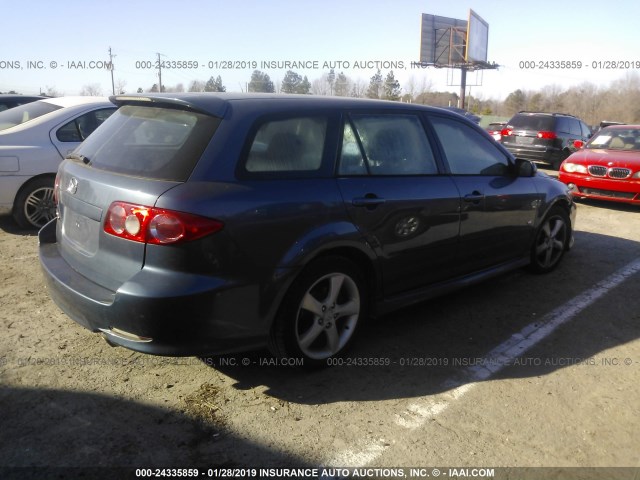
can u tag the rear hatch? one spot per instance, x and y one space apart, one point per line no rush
140 152
526 130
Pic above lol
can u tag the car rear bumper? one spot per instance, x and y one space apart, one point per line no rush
186 316
625 191
535 153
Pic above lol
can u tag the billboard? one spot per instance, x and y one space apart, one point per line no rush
442 40
451 42
477 38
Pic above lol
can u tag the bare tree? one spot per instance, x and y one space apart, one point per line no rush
91 90
320 86
359 88
52 92
120 84
552 98
422 90
197 86
342 85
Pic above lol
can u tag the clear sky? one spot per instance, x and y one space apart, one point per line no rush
74 32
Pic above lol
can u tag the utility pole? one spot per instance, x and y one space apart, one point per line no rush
113 87
159 74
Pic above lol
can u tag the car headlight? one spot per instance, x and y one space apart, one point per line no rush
574 167
636 175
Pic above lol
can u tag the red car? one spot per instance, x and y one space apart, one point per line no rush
607 167
495 130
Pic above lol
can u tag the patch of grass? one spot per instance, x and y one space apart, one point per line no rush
205 405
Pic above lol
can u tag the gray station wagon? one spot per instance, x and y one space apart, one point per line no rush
196 224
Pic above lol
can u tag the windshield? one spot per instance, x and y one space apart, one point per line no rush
149 142
24 113
616 139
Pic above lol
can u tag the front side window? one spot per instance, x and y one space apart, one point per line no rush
386 145
467 151
290 145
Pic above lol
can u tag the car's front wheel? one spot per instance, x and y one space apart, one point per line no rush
321 312
551 241
34 205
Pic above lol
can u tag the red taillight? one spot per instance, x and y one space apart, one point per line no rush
505 132
156 225
547 135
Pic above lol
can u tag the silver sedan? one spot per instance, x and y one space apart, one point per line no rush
34 138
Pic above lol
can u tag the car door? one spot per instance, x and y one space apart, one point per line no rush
395 193
498 206
67 137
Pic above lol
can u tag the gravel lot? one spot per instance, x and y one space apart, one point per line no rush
409 396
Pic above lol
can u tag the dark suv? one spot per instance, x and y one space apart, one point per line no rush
544 137
194 224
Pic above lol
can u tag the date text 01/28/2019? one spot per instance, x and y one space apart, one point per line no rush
578 64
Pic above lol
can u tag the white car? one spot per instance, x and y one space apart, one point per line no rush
34 138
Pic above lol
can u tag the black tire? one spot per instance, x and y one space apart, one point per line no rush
335 294
551 241
34 205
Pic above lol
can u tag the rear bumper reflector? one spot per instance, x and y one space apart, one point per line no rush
121 334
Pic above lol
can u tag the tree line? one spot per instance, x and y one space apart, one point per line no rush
331 83
618 101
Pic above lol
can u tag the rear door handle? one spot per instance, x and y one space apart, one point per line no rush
367 201
474 197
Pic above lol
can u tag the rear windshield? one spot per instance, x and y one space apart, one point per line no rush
149 142
24 113
532 122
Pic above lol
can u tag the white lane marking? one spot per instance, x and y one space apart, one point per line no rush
361 457
423 409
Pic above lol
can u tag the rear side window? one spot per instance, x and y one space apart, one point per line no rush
564 125
150 142
468 152
290 145
575 127
80 128
386 145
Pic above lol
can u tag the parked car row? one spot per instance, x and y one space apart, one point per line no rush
196 224
603 165
34 138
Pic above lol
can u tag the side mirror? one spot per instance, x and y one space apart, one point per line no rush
578 144
525 168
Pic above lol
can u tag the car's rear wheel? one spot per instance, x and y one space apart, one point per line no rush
321 312
551 241
34 205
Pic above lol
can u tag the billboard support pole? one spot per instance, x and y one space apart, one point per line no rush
463 86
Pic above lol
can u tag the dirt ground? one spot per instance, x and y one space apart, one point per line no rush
68 399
